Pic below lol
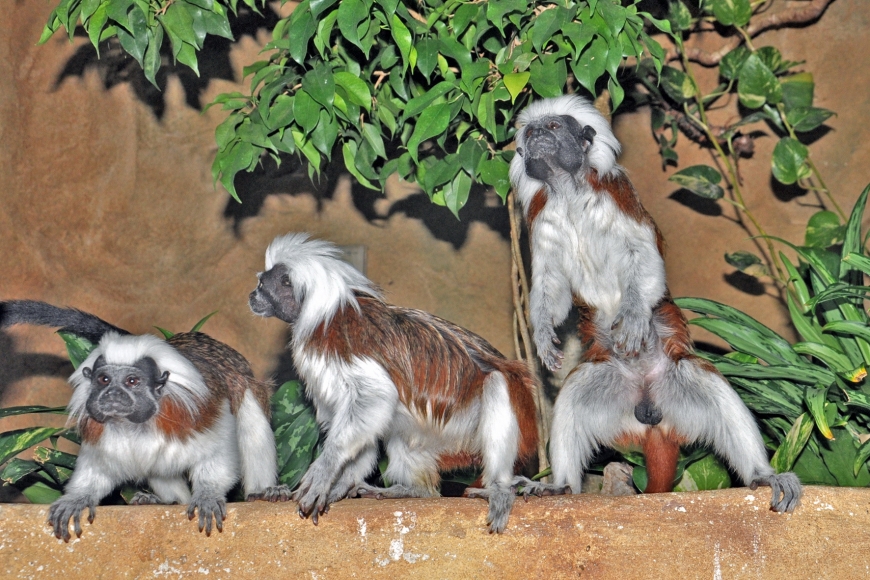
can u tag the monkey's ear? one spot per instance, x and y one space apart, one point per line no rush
520 151
587 134
87 373
161 382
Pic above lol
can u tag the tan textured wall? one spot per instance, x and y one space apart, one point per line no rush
728 534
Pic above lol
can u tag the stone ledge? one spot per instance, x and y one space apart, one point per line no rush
717 535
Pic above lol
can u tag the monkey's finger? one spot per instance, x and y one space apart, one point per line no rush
223 509
77 524
314 518
191 513
92 514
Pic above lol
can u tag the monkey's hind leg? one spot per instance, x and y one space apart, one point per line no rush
257 453
411 471
703 407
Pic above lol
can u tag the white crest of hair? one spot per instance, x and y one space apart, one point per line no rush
602 153
322 282
185 385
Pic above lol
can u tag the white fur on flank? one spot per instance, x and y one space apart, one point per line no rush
185 385
602 153
256 440
322 282
128 452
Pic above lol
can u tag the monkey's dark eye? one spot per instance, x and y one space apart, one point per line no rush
553 125
285 280
104 379
132 381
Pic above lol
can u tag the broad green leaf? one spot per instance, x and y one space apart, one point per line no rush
515 83
458 193
350 14
731 63
323 136
742 260
486 114
617 93
95 26
861 457
677 84
306 111
725 312
427 53
495 172
701 180
839 456
302 28
547 24
823 230
748 340
705 474
319 83
852 243
809 374
797 91
463 17
849 328
77 348
496 10
731 12
756 84
591 64
318 7
404 40
787 453
357 89
807 118
422 102
548 75
373 136
151 60
679 16
16 469
41 493
431 123
349 153
789 161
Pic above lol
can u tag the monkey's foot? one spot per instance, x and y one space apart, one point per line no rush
500 499
210 508
786 488
550 356
537 488
143 498
272 493
312 497
66 508
392 492
630 332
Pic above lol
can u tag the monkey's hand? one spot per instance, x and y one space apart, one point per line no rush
142 498
786 488
312 495
630 332
67 507
500 499
546 341
210 507
273 493
530 487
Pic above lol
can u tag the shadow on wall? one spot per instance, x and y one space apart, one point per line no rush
16 366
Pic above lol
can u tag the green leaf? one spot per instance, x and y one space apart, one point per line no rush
41 493
350 14
742 260
852 243
804 119
849 328
861 457
495 172
373 136
815 400
431 123
427 53
357 89
591 64
302 28
349 153
547 24
677 84
705 474
198 326
319 83
318 7
701 180
17 469
731 63
787 453
403 37
725 312
422 102
823 230
679 16
95 26
14 442
789 161
731 12
840 455
456 196
324 135
515 83
797 91
748 340
151 60
756 84
496 10
167 334
306 111
486 114
77 348
859 261
25 410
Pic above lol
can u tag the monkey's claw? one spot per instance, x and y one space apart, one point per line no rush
210 509
273 493
143 498
545 341
66 508
629 334
786 491
537 488
500 499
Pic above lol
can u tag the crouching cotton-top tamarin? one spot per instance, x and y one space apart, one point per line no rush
439 397
164 412
639 381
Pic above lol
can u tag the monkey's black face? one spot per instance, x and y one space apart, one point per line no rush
554 145
122 392
274 296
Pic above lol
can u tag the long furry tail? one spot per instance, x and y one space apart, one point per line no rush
66 319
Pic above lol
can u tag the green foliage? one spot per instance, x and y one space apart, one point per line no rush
813 396
428 90
296 432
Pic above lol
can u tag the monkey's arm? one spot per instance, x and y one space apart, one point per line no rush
89 483
67 319
550 296
211 478
365 400
641 272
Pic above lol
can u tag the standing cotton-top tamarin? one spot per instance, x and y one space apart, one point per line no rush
439 397
594 245
165 412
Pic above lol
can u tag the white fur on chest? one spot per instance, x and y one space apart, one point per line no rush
133 454
598 249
